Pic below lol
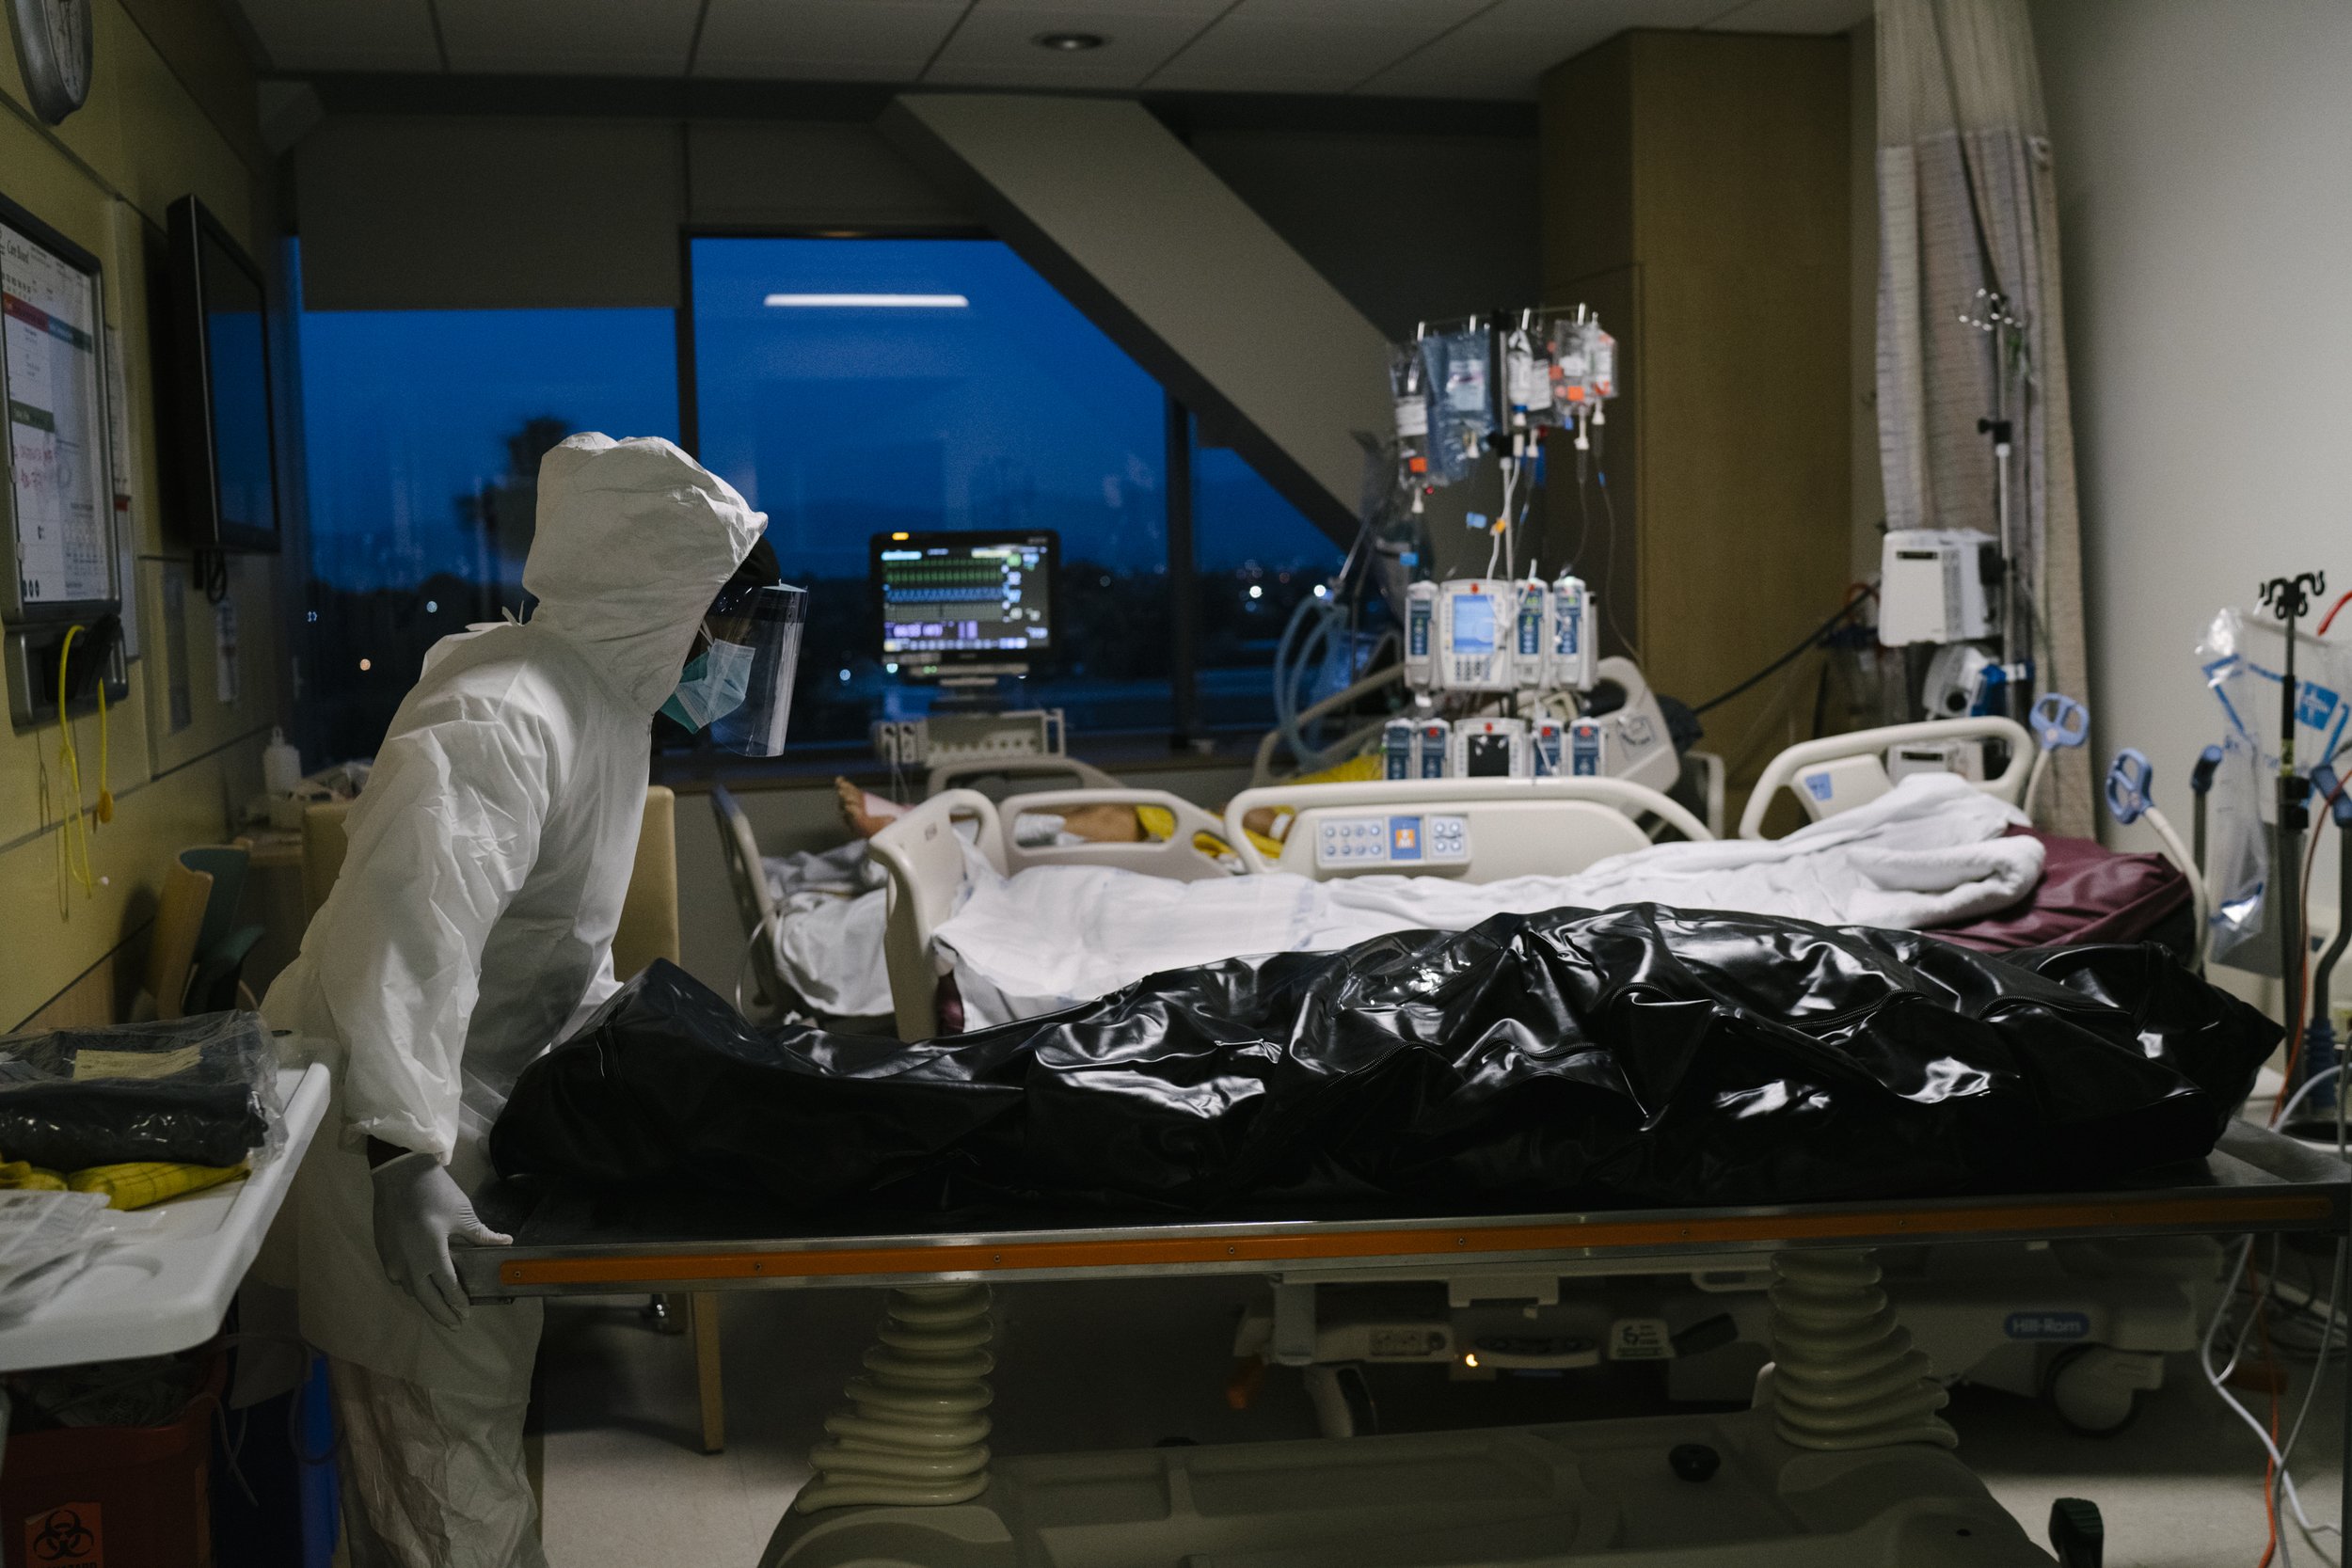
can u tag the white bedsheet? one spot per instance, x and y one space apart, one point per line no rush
828 938
1929 852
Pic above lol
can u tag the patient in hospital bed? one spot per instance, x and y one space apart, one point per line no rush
828 938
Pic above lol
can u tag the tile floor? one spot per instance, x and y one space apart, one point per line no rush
1128 1363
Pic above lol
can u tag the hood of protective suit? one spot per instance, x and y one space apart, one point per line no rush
634 540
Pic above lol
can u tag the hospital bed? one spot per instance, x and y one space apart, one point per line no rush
1838 772
1618 1492
1465 829
1474 829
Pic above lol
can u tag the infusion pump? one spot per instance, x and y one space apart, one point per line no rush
1627 741
1500 634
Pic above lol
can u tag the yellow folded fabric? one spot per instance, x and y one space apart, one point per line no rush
1158 822
24 1176
146 1182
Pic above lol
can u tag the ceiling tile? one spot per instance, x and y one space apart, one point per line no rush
1794 16
1504 50
842 40
573 38
1308 45
354 35
996 45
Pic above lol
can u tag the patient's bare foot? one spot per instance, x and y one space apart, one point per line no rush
865 814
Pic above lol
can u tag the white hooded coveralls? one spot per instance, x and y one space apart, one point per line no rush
471 924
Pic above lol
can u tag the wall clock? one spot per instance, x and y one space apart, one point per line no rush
53 44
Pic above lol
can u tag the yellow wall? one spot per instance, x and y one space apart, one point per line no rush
171 110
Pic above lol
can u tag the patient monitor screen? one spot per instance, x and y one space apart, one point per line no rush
965 598
1474 624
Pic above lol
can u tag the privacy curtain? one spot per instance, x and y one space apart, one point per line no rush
1967 206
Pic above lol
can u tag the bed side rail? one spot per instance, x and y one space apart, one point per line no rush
1632 799
923 856
1863 776
1175 856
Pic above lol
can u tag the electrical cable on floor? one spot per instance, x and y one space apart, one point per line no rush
2274 1469
1856 597
2286 1452
2204 1362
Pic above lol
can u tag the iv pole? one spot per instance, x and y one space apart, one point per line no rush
2007 330
2290 599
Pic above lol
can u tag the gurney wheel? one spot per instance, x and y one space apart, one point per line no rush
2092 1405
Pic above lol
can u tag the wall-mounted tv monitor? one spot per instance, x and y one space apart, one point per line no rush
225 458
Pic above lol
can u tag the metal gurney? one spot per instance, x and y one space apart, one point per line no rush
2254 1182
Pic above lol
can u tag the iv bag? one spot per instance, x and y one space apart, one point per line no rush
1584 364
2243 658
2237 853
1461 411
1408 390
1527 379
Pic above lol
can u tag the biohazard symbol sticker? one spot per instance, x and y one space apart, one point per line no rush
70 1535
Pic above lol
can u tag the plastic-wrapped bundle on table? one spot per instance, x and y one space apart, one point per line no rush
199 1091
1639 1055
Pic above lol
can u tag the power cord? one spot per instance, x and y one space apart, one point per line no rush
1856 597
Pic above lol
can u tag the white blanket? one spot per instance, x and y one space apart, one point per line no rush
1929 852
829 933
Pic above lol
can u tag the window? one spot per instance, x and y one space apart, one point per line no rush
972 396
1256 557
423 430
850 388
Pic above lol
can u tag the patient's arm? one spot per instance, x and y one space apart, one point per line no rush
1104 824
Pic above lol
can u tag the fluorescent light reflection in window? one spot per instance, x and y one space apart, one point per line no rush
886 301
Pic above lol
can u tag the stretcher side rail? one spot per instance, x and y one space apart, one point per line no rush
2256 1182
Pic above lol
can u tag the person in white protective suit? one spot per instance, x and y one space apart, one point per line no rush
470 927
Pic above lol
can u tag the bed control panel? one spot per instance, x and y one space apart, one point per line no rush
1371 841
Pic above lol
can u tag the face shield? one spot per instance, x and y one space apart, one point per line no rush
738 685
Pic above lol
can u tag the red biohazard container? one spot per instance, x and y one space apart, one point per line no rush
113 1497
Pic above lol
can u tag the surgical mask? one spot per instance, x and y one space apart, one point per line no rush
712 687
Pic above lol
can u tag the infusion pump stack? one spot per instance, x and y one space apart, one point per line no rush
1942 587
1551 707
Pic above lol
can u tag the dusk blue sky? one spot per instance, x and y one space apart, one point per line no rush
405 410
1013 411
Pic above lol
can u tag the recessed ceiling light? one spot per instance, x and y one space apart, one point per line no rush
1070 44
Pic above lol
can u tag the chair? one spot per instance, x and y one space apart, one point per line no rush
648 929
221 945
195 952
